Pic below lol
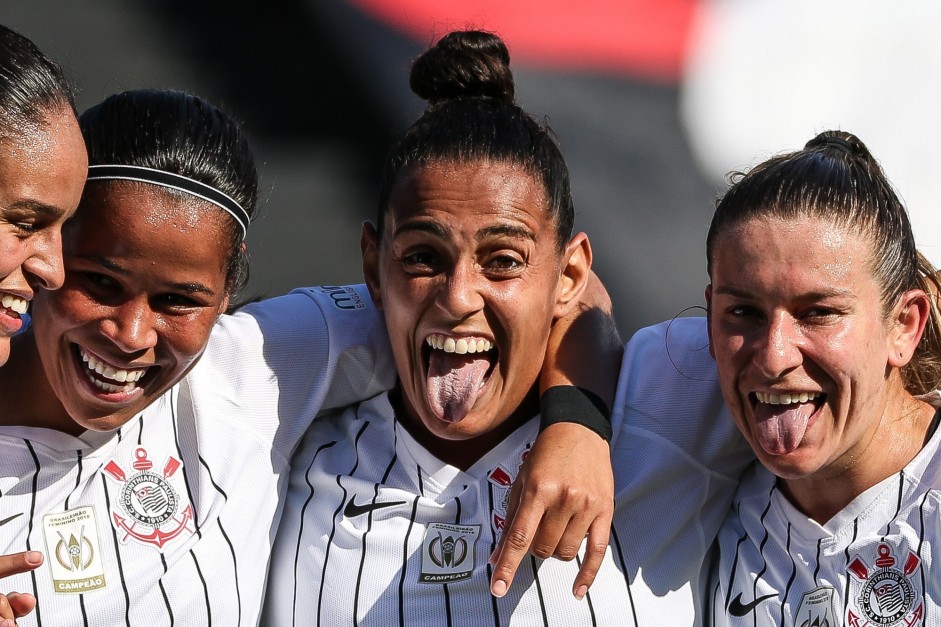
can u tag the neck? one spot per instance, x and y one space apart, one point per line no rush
465 453
898 438
25 393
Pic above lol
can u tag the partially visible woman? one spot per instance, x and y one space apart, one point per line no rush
42 170
824 325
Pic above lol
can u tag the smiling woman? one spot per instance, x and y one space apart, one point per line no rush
396 504
139 427
42 170
827 352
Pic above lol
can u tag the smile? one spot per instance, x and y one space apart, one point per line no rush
457 371
110 378
786 399
14 303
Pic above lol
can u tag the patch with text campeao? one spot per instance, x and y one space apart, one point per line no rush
73 551
447 552
150 510
883 593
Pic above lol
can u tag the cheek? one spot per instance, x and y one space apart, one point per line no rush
186 337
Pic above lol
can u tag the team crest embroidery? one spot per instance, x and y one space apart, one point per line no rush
448 552
149 509
886 595
502 481
73 550
816 609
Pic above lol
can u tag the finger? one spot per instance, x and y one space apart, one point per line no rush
21 603
16 563
597 544
514 544
553 526
6 612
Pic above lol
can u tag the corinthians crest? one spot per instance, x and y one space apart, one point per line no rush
150 508
884 595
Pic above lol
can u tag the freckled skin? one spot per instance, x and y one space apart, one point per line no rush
467 250
793 307
42 171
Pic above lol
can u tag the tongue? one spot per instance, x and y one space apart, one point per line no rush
781 428
454 381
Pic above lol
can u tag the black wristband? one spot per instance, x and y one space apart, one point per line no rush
568 403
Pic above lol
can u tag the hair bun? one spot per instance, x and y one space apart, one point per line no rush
842 141
466 63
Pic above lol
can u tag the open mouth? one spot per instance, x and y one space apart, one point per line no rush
782 419
107 377
14 304
457 371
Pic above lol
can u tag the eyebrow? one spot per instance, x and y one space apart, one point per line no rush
50 211
186 288
496 230
816 295
505 230
421 226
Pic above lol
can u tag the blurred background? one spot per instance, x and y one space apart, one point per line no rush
654 101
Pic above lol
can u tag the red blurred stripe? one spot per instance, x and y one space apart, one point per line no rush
645 38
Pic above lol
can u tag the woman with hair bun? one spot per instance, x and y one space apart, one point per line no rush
824 325
395 504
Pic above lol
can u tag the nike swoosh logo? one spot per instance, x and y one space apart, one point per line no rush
6 520
352 509
737 608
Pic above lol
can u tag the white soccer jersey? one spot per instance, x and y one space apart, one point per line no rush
870 565
377 531
170 519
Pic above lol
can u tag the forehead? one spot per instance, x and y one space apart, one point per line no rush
142 220
802 249
45 163
474 188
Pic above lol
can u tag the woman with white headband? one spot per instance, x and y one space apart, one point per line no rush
144 438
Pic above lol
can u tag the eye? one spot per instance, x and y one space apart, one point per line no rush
421 262
98 280
173 301
743 311
27 228
819 314
504 264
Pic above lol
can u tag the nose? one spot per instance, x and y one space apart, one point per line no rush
131 326
43 268
460 295
778 349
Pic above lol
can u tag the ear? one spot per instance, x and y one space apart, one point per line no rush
709 318
908 324
576 271
369 247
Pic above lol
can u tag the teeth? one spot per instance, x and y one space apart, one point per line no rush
461 346
786 399
14 303
128 377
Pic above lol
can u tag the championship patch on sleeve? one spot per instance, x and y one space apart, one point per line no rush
73 551
447 552
343 296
